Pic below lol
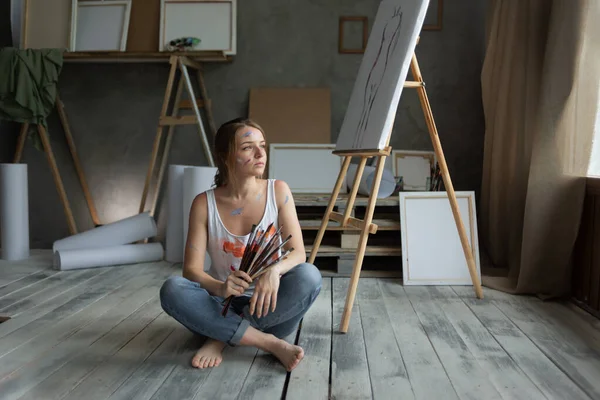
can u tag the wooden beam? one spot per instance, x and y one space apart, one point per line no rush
188 103
364 152
353 222
181 120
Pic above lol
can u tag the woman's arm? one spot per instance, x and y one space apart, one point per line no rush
291 226
195 248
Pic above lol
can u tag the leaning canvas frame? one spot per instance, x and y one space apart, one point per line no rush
376 93
214 22
305 167
124 5
413 160
431 250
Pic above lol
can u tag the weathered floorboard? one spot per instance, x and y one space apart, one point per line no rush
101 333
422 363
389 378
505 374
465 373
532 361
310 379
349 365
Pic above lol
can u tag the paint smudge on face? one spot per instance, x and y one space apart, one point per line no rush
247 161
287 198
239 160
237 211
258 196
247 134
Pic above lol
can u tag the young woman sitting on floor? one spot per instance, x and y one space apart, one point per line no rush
266 310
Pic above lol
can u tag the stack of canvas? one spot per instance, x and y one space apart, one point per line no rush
108 245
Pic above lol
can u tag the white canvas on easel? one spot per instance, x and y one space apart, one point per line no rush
374 100
431 250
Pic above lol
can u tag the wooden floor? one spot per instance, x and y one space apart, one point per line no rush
101 333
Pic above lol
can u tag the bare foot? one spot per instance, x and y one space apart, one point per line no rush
289 354
209 355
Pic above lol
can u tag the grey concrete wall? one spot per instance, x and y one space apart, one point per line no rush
113 108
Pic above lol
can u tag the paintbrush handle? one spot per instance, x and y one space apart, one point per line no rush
265 269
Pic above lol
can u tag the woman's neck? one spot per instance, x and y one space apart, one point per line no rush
242 189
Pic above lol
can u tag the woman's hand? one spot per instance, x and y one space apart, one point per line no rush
265 293
236 284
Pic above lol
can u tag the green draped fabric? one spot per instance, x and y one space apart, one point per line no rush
28 83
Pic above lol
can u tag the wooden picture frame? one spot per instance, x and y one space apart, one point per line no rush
214 22
418 165
432 253
110 15
365 34
434 16
305 167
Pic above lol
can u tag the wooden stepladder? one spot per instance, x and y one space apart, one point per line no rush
54 168
366 226
180 63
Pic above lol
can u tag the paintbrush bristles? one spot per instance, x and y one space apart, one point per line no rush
258 255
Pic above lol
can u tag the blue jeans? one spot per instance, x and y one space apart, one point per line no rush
192 306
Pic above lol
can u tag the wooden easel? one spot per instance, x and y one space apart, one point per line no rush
54 169
178 63
366 226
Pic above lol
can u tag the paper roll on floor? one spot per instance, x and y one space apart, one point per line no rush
14 211
195 181
174 234
125 231
107 256
386 186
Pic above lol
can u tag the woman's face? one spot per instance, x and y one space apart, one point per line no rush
251 154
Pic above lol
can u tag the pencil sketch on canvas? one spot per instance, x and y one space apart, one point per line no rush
376 93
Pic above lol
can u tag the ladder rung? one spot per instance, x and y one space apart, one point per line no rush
188 103
353 222
413 84
182 120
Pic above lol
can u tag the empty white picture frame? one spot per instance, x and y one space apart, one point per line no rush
414 167
432 253
214 22
100 25
306 167
376 93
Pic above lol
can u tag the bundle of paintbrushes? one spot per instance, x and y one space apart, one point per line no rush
260 254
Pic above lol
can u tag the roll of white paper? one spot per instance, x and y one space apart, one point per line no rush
174 239
107 256
14 211
195 181
125 231
386 186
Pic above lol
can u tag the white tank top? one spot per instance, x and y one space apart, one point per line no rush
226 249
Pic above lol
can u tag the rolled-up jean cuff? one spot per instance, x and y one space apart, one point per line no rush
239 333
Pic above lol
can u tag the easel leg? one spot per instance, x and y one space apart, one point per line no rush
203 137
21 142
165 156
71 143
362 245
207 103
332 200
437 146
57 179
159 131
